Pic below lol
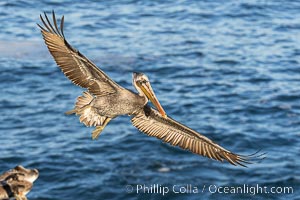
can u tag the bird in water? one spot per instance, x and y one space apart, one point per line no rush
105 100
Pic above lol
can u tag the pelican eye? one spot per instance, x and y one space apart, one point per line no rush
142 81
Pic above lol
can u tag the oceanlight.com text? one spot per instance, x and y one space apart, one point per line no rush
213 189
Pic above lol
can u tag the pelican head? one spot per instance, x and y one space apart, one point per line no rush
143 86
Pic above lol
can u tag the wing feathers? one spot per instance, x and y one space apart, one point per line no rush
151 123
80 70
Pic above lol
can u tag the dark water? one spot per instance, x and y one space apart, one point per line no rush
230 70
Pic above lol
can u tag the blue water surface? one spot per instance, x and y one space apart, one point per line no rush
228 69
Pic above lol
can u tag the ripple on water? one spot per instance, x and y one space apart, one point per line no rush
227 69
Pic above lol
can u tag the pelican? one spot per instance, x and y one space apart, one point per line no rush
104 100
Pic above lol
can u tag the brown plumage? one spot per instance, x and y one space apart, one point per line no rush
79 69
106 100
167 129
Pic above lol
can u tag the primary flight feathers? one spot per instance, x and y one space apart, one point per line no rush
79 69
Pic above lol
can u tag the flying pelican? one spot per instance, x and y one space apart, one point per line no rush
105 100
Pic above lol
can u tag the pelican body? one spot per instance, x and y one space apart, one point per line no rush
105 100
124 101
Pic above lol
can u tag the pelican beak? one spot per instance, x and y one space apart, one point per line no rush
148 91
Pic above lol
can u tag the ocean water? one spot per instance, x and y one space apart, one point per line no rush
228 69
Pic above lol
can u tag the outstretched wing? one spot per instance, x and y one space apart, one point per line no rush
79 69
153 124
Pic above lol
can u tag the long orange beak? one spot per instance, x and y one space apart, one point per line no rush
148 91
